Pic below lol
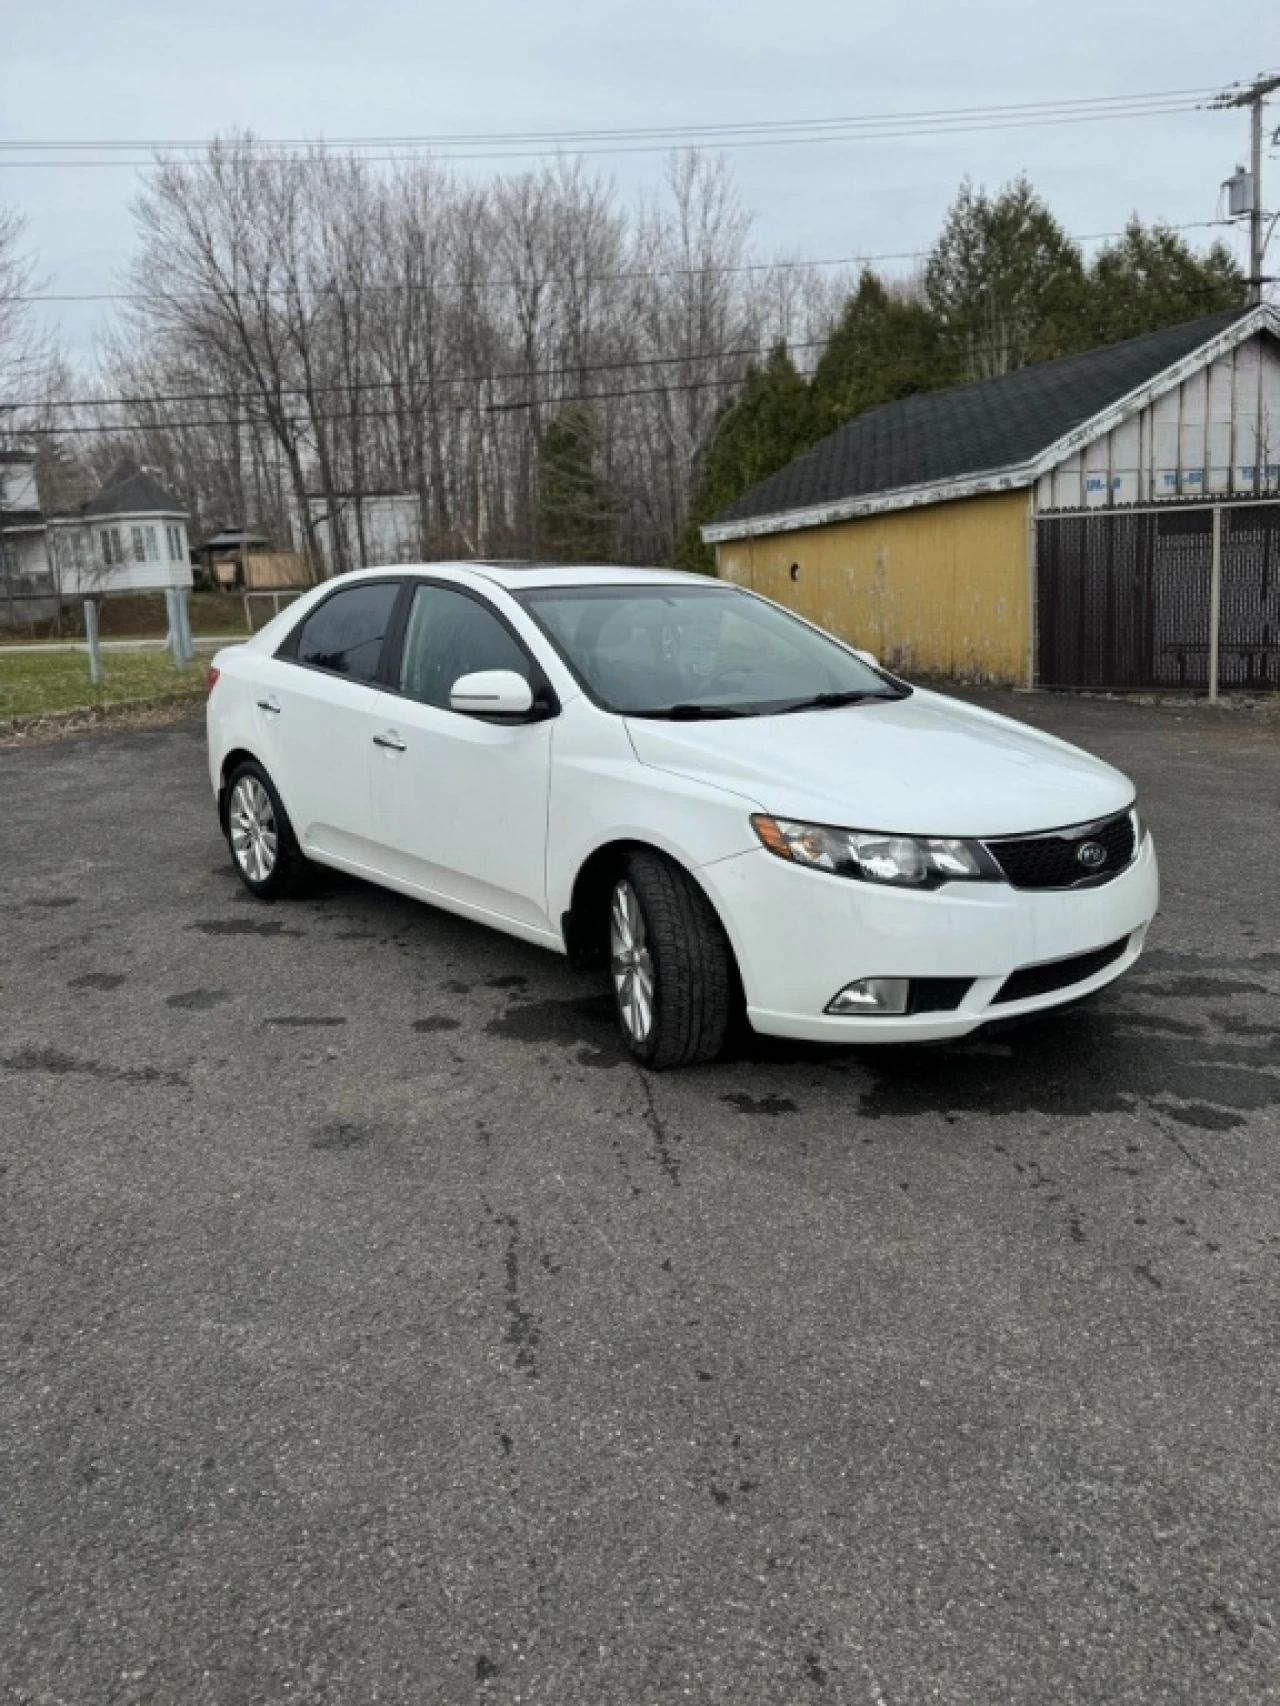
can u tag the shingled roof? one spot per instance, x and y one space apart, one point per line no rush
131 491
987 428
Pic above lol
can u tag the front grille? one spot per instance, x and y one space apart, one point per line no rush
1057 974
1053 861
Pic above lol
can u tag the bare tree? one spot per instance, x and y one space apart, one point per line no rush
25 349
29 372
305 332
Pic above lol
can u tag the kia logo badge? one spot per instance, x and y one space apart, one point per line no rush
1092 855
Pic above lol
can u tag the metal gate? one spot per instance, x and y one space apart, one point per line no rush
1173 597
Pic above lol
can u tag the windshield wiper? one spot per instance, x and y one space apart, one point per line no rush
694 713
831 701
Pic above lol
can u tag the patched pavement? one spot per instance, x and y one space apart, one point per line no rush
372 1330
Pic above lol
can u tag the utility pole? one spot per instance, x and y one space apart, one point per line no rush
1253 95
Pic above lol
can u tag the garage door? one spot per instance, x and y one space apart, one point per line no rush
1124 598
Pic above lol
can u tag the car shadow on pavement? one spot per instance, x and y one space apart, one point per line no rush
1170 1035
1107 1056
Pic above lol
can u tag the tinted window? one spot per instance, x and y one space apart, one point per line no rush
448 635
345 633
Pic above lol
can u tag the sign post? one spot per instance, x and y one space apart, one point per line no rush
91 639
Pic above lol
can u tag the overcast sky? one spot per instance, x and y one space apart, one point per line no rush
76 69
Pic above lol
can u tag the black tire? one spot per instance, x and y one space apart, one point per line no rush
288 869
693 977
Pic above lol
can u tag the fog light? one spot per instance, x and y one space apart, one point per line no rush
873 995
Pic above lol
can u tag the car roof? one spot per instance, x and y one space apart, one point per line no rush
515 576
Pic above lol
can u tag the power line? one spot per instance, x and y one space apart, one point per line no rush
255 413
850 131
639 275
305 420
444 139
469 284
503 376
568 138
349 387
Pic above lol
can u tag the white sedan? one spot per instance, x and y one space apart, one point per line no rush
680 781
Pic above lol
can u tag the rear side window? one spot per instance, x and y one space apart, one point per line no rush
345 633
449 635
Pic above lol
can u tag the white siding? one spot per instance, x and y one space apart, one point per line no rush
120 554
392 529
1217 432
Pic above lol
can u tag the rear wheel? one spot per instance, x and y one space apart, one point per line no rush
264 849
671 965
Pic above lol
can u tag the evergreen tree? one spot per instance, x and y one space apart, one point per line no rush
766 426
1003 287
1005 282
576 514
885 345
1151 278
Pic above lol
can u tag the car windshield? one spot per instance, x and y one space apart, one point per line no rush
690 651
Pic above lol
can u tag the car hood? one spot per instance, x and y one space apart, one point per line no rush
924 765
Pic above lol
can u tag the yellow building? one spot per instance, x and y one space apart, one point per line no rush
1023 528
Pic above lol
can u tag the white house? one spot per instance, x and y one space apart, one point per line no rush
24 565
130 537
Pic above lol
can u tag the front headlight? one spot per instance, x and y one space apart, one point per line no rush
905 861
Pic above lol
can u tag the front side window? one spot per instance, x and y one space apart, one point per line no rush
139 546
345 633
153 554
661 650
450 635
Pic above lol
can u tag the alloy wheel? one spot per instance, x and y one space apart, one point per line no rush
631 962
255 835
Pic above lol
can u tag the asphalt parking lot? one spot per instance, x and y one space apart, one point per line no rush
372 1330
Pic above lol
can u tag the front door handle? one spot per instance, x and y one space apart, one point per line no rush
391 740
272 705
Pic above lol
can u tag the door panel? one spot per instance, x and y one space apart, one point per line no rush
317 747
460 802
462 811
315 718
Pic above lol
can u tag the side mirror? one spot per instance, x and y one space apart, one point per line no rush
867 657
492 693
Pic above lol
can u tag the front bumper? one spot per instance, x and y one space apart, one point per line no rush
800 936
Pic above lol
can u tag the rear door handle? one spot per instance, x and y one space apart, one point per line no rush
272 705
391 740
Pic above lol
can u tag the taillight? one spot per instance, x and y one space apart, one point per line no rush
212 677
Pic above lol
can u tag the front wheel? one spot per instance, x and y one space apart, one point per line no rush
671 964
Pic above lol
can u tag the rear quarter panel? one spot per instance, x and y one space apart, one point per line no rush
229 719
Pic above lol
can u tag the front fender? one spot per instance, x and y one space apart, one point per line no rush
602 795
